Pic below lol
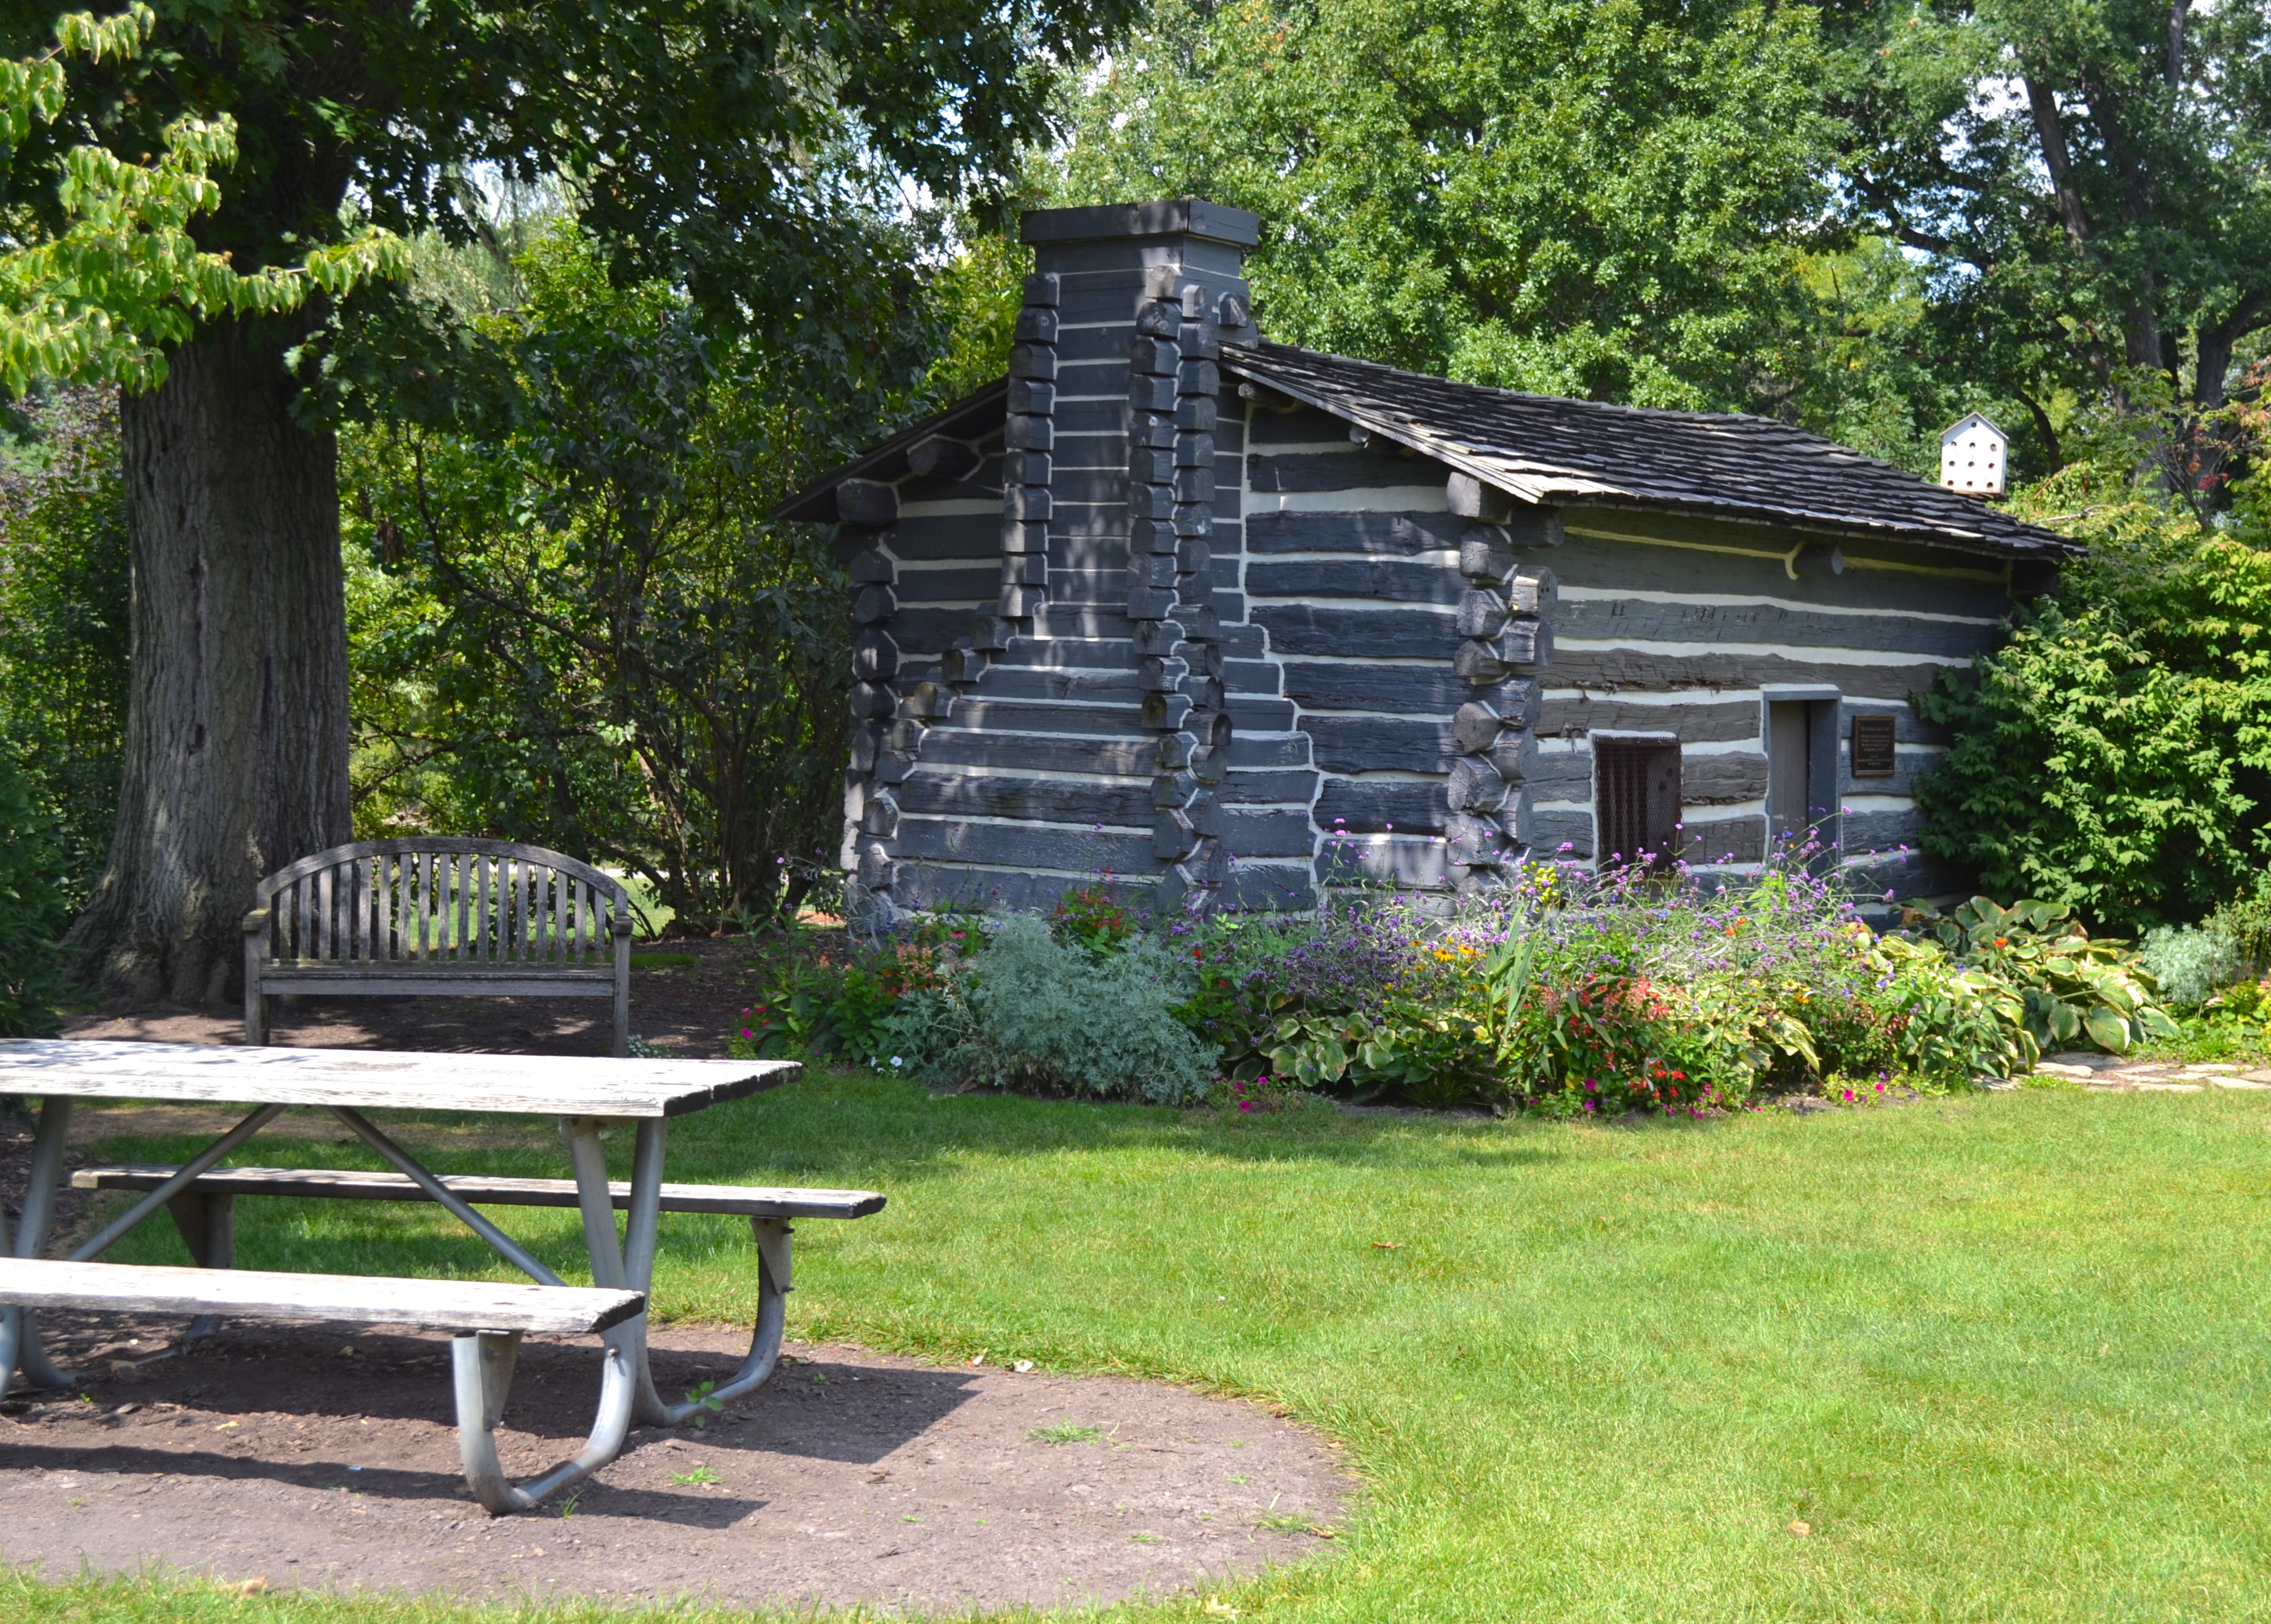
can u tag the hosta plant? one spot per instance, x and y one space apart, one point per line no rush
2076 987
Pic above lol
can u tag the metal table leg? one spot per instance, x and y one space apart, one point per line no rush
632 1267
20 1332
481 1364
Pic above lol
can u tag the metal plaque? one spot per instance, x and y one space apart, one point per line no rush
1872 747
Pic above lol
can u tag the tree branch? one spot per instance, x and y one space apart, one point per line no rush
2050 129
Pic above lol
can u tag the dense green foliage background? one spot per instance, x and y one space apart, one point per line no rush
572 621
63 607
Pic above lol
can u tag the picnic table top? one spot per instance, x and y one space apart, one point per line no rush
523 1084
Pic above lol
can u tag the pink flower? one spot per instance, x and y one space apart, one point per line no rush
1245 1105
746 1032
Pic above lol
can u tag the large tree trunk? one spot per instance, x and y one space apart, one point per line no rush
236 722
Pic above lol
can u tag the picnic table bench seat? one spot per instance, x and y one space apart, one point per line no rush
439 917
741 1200
205 1212
485 1320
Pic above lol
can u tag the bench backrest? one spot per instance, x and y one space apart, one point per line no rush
440 900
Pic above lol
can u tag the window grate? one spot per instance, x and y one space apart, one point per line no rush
1637 801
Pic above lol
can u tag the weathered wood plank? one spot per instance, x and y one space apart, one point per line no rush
1741 839
1303 425
1351 744
1359 634
380 1079
1383 534
1648 620
922 885
1125 804
1094 719
756 1201
1418 864
1268 888
1274 832
1269 786
1429 689
1271 472
1091 851
355 1300
1621 668
941 537
1388 579
1378 806
1628 566
948 746
1691 724
407 980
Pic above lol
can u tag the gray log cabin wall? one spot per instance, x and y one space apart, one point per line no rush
1135 616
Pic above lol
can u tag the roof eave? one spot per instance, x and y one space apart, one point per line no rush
887 459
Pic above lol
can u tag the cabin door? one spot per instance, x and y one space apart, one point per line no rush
1790 766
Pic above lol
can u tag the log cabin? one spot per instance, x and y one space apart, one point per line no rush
1176 606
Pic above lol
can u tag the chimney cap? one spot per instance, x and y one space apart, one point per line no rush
1174 217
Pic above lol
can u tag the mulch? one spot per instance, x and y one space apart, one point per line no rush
325 1457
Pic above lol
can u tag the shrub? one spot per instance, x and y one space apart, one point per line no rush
2193 962
2074 987
1039 1013
2110 757
32 909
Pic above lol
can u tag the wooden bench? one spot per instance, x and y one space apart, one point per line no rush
439 917
485 1320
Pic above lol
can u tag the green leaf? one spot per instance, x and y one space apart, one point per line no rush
2108 1030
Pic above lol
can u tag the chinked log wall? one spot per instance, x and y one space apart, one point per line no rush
1451 661
1688 627
1411 615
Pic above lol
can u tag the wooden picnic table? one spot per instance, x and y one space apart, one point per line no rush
587 1095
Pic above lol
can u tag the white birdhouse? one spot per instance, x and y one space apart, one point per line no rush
1972 454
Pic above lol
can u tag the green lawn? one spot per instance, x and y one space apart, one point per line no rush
2006 1354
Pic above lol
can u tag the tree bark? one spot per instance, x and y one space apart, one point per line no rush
236 723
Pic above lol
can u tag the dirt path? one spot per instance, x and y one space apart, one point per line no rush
280 1455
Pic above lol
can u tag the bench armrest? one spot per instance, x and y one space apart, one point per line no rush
621 924
256 921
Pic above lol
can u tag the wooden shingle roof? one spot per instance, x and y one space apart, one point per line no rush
1548 450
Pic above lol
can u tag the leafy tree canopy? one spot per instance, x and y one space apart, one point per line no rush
2088 180
573 621
1605 200
116 273
714 144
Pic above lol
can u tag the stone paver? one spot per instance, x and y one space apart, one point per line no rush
2114 1074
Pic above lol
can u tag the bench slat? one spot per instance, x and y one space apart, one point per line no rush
333 1184
373 976
245 1294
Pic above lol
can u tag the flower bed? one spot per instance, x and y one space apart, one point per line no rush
1565 993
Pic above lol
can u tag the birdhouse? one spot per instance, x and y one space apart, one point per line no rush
1972 454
